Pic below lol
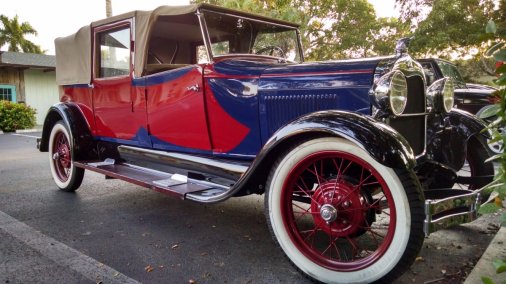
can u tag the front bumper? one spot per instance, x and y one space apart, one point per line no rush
449 207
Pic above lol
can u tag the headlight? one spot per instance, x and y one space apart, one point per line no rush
441 95
391 92
448 95
398 93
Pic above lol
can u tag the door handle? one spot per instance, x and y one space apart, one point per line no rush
194 88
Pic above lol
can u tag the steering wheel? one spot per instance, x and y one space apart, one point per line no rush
272 48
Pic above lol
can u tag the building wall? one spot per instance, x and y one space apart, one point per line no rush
41 91
11 76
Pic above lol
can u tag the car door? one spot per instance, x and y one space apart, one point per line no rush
119 107
174 85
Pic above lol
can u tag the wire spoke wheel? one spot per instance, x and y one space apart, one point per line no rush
335 225
61 156
66 176
342 217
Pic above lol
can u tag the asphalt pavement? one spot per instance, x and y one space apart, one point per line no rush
110 231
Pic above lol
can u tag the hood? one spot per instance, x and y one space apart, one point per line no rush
310 70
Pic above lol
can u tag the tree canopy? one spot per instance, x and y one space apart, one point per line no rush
334 29
444 27
12 33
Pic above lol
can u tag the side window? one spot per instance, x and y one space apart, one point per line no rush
113 53
8 93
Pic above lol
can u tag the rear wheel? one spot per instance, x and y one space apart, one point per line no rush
340 216
65 174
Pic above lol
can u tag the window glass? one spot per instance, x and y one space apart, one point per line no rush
247 36
114 53
7 93
450 70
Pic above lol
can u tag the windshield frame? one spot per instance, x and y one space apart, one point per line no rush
207 39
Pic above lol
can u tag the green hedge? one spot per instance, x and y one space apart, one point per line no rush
15 116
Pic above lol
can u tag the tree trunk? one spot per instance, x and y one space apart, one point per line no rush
108 8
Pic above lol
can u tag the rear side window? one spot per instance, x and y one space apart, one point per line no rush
114 53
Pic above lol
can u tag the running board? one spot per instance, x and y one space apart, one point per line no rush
172 184
228 169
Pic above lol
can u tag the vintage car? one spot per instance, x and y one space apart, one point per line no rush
358 160
469 97
474 98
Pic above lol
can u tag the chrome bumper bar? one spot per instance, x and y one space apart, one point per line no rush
448 207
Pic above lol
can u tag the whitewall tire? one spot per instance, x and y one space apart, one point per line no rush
342 217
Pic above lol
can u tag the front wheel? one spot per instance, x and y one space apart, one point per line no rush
65 174
342 217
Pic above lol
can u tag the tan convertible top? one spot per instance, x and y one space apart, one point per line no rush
74 52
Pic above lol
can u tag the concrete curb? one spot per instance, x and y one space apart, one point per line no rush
496 249
1 132
28 130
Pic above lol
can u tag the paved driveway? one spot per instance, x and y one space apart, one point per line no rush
112 231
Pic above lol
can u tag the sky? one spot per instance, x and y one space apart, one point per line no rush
59 18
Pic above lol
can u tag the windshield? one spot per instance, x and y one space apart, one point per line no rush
234 35
450 70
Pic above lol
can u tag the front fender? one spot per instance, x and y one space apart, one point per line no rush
72 116
382 142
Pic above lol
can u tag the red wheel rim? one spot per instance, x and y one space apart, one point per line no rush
62 160
338 211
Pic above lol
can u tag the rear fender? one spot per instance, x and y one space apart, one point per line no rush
82 140
382 142
448 136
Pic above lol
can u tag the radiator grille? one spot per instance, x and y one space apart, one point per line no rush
413 127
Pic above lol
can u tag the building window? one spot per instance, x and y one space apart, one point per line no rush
114 53
8 93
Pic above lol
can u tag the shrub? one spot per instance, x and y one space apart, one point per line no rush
15 116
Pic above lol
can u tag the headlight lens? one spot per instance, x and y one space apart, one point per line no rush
448 98
398 93
441 95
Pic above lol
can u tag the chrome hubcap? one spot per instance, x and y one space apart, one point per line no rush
328 213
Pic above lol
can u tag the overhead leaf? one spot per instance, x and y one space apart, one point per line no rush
500 55
491 27
487 280
494 48
501 69
499 265
488 208
490 111
494 157
502 79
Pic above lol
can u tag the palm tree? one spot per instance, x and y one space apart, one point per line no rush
108 8
13 34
